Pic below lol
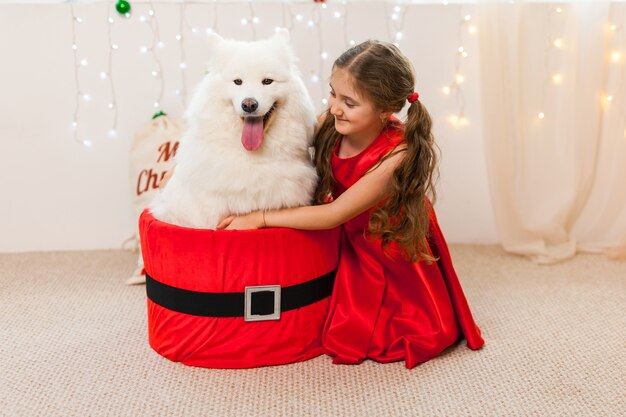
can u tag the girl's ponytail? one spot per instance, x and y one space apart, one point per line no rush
404 217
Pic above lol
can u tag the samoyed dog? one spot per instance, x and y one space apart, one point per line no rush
250 124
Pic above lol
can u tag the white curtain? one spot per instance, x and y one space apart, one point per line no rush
553 88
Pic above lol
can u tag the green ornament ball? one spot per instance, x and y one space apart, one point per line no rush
122 7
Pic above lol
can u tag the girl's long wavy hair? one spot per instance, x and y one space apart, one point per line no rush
382 74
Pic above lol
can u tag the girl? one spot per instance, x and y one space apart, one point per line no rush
396 293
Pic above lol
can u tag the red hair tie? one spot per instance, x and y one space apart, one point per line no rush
413 97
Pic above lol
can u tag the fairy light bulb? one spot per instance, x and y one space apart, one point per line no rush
446 90
255 19
310 23
315 78
399 36
541 115
299 17
87 97
155 73
557 78
459 79
558 43
472 29
115 47
142 19
616 56
161 44
83 62
87 143
78 20
395 16
467 17
352 42
244 21
324 55
179 37
324 102
75 47
337 15
609 98
182 65
156 105
112 133
558 10
396 9
143 49
103 75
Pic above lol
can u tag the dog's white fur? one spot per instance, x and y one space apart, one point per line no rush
215 175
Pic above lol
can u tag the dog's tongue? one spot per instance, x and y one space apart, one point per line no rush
252 135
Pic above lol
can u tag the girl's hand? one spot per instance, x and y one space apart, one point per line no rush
224 223
249 221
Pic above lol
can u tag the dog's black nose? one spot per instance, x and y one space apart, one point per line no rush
249 105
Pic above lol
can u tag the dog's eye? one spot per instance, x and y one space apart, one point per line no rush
238 81
267 81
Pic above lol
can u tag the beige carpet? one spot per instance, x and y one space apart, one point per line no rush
73 342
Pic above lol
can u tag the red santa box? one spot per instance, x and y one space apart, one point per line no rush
237 299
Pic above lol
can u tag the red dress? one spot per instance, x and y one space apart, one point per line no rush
389 309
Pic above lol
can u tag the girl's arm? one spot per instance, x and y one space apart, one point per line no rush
364 194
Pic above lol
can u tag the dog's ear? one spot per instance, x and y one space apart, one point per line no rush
282 34
214 40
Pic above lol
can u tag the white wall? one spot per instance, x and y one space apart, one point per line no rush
60 195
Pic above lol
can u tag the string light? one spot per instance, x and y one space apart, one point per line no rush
395 25
154 27
181 47
317 18
553 43
339 10
459 120
79 94
609 101
108 74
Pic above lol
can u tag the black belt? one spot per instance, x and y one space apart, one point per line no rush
256 303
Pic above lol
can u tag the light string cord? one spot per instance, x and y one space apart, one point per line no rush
253 19
461 54
395 31
109 75
464 19
180 37
317 20
154 26
553 42
79 94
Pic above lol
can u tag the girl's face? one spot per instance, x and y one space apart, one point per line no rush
354 114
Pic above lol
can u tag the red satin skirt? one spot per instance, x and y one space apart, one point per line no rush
227 261
388 309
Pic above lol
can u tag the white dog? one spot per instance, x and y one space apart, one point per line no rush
250 125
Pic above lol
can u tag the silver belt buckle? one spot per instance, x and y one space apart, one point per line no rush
247 307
